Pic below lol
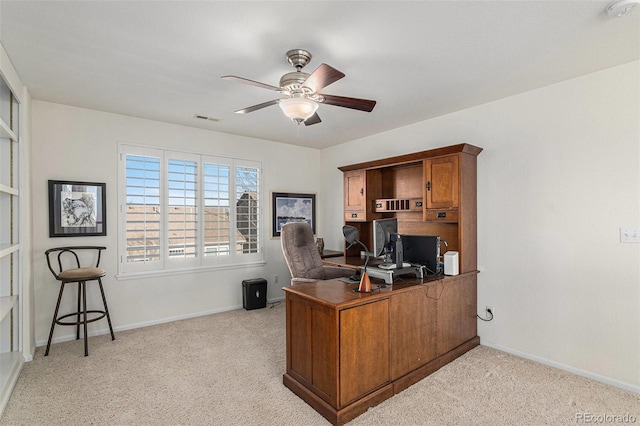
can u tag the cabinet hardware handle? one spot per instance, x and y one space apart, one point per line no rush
428 185
361 191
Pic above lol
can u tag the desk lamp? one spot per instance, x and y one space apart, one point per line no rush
352 235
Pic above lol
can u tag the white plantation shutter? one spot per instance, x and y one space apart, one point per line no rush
247 208
217 211
142 209
184 211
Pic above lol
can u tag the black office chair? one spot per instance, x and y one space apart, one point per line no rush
78 275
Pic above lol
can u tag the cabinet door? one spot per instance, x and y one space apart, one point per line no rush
312 346
441 182
364 350
457 312
361 187
354 200
412 329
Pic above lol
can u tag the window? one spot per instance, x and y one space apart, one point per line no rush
183 211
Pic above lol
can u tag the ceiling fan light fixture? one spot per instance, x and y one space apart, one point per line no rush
621 8
298 109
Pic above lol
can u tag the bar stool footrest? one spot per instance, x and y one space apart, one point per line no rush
75 314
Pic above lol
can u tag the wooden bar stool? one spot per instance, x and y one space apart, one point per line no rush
78 275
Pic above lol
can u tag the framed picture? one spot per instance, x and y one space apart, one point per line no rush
290 207
77 209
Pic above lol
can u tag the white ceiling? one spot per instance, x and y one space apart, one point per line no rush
418 59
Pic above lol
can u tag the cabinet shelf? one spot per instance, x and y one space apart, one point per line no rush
6 304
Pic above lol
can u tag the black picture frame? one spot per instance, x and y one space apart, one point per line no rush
292 207
77 209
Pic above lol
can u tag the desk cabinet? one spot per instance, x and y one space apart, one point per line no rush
349 351
364 350
320 338
413 330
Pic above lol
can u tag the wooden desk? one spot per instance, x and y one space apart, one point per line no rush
349 351
331 253
341 261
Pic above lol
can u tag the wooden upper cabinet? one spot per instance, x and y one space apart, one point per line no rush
354 191
361 188
441 182
442 190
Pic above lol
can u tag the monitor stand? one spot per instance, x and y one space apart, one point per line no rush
389 274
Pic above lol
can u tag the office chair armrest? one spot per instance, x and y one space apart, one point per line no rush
331 272
303 280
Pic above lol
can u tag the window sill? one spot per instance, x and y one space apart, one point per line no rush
168 272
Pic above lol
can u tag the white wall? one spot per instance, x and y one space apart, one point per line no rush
558 177
78 144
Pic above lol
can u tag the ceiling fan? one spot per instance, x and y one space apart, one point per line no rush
302 91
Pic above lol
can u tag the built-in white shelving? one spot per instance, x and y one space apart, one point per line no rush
6 132
11 355
7 249
7 303
9 190
10 364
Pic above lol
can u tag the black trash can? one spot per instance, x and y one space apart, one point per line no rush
254 293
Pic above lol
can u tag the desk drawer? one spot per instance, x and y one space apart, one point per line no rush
448 215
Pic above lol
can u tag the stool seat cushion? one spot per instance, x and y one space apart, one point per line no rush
81 274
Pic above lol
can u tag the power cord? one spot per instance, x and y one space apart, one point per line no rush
490 312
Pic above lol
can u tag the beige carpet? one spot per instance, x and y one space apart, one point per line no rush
226 369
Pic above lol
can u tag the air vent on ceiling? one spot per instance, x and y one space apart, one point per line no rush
204 117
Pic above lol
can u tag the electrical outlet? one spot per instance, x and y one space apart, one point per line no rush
489 311
276 279
629 235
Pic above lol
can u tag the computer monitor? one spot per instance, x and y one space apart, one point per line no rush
382 231
422 250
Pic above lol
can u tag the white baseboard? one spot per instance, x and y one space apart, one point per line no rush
603 379
105 330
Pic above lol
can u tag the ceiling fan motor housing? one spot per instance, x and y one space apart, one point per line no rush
293 80
298 58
